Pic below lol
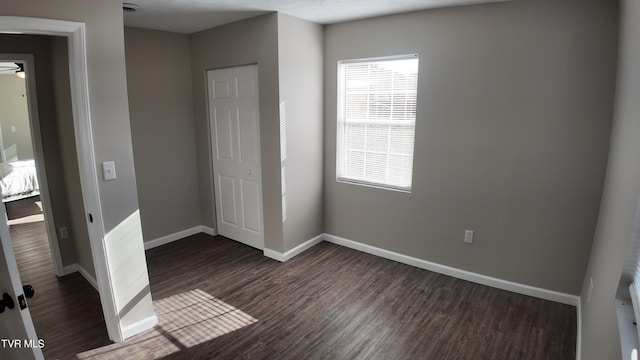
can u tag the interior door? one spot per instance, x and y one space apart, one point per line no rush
18 339
235 138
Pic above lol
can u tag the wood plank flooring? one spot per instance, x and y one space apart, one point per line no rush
330 302
66 311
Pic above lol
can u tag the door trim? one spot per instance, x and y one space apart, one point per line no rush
79 81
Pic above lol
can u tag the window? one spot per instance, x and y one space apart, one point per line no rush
376 121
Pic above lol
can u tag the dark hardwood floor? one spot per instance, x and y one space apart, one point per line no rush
66 311
218 299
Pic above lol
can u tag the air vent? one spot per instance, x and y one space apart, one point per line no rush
129 7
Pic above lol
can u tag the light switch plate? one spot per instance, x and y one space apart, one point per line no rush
468 236
109 170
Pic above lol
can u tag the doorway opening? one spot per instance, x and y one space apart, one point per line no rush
18 174
40 225
23 179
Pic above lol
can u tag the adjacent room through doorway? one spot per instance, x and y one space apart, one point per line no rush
65 309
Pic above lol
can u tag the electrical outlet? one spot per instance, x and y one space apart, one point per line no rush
590 290
468 236
63 232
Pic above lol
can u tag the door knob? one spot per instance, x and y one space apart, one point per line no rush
6 301
29 291
249 172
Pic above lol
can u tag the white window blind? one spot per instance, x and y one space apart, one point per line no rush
376 120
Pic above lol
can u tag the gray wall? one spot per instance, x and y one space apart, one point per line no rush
77 229
162 130
600 338
245 42
300 45
15 113
40 47
514 115
107 91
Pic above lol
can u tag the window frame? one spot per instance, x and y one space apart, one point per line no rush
341 124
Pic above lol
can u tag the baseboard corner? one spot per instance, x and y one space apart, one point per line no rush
282 257
140 326
70 269
208 230
90 279
273 254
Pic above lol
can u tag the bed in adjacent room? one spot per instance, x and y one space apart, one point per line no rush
18 180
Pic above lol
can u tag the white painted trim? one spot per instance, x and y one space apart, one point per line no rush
140 326
79 81
79 77
295 251
273 254
36 26
73 268
208 230
458 273
70 269
178 236
90 279
172 237
579 329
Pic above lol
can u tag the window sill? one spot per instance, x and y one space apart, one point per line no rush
371 185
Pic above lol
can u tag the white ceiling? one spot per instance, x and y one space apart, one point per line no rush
189 16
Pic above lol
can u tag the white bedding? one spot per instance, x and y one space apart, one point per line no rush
18 180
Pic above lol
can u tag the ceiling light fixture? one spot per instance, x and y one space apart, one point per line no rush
20 71
129 7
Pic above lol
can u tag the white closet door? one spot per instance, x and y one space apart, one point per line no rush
235 140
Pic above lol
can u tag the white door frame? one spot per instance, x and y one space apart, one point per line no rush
38 153
79 80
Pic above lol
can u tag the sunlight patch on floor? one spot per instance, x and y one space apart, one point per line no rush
185 320
26 220
29 218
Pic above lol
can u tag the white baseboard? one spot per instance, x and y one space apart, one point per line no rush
295 251
70 269
207 230
177 236
273 254
537 292
88 277
138 327
458 273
